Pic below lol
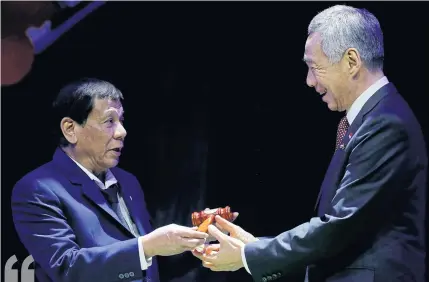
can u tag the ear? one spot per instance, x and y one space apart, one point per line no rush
353 61
68 127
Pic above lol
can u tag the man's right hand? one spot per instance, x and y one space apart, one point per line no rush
171 240
235 231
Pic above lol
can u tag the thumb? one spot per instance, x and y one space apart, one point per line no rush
217 233
225 224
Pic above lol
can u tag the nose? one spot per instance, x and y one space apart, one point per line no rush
311 81
120 131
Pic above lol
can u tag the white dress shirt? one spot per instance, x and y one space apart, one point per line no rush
351 115
110 180
361 100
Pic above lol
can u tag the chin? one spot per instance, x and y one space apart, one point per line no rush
112 163
333 107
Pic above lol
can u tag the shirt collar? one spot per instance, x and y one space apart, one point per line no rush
363 98
110 178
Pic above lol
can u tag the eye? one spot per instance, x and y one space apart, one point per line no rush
109 120
315 69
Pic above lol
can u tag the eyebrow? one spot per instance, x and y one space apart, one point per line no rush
108 112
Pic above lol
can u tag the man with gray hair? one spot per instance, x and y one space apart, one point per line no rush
370 223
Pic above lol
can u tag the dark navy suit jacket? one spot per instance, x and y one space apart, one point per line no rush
371 215
66 224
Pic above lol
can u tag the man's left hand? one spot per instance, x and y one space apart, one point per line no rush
228 254
211 238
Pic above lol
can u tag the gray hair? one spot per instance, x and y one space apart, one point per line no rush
342 27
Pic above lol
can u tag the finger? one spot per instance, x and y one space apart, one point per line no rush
198 254
225 224
213 267
190 233
207 209
211 258
194 228
191 243
221 229
208 258
234 216
208 265
213 247
222 268
219 235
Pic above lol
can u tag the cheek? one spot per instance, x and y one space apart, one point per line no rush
86 138
322 80
99 141
104 138
336 90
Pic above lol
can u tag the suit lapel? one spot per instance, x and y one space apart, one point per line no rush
93 193
89 188
334 173
129 194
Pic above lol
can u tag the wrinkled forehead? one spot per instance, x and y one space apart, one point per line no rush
105 106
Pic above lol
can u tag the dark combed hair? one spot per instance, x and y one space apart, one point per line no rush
76 101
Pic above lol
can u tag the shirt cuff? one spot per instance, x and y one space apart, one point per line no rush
243 258
144 262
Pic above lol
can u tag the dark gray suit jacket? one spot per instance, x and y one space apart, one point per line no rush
371 215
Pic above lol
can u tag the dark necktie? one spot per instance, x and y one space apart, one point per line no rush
112 197
343 126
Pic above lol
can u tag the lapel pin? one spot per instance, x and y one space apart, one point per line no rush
131 198
350 135
342 146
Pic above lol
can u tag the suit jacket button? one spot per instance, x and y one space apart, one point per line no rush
127 275
131 274
279 274
121 276
275 276
264 279
269 278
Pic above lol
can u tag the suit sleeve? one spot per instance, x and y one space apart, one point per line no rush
368 190
43 229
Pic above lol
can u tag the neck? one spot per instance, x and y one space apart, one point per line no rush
363 82
85 162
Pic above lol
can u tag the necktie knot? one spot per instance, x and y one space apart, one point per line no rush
343 126
112 193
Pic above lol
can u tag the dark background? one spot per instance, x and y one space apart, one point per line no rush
217 109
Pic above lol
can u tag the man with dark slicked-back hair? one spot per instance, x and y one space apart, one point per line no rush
81 217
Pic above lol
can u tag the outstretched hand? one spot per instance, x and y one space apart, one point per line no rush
220 227
171 240
225 256
234 231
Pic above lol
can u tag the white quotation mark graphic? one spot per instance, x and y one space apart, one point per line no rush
12 275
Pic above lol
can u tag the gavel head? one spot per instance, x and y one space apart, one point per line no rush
201 216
